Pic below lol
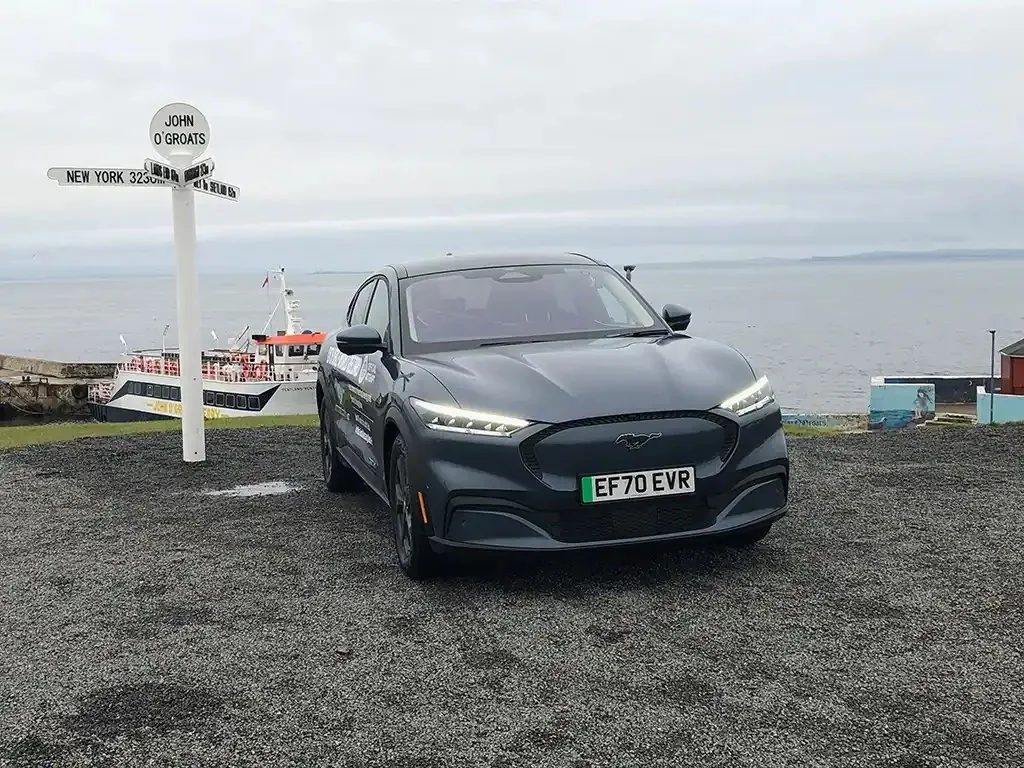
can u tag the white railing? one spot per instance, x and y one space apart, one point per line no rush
100 391
225 372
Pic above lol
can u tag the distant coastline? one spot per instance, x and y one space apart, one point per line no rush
868 257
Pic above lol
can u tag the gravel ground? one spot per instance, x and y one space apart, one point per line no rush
144 622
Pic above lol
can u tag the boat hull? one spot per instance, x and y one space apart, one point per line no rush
139 396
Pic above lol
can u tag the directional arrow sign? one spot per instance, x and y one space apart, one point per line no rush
217 188
163 171
201 170
103 177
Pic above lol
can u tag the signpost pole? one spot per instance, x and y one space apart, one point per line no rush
992 378
180 134
193 427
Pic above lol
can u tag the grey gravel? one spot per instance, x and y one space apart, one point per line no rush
146 622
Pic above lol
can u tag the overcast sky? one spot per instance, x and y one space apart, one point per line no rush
864 115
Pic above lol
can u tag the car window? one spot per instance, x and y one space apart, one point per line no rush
529 302
378 315
616 311
358 307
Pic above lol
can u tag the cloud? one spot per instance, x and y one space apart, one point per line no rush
326 112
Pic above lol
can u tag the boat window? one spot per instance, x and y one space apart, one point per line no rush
137 387
279 350
175 393
149 390
254 403
165 392
296 350
219 398
229 400
313 350
209 398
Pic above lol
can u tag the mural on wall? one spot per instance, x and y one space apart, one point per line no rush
894 406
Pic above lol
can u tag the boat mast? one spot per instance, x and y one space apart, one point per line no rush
292 312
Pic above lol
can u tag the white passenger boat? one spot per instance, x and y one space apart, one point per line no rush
265 375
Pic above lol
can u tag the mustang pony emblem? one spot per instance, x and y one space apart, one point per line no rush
632 441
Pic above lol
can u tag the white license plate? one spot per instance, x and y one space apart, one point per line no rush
637 485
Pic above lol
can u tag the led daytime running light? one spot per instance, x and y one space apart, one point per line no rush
451 419
753 398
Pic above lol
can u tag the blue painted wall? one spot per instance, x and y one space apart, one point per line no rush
894 406
1005 408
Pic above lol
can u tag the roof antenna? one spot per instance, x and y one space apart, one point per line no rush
628 269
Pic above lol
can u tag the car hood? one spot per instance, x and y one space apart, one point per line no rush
561 381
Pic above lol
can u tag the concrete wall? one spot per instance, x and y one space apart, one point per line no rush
850 421
894 406
1005 408
55 369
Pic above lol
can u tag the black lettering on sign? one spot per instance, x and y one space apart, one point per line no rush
599 489
670 480
110 177
180 121
78 176
193 173
641 484
685 479
141 177
656 482
194 139
629 484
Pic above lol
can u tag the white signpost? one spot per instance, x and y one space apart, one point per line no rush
180 134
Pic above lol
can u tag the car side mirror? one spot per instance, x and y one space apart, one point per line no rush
360 340
677 317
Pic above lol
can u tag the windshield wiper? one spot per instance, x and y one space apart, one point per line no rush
643 332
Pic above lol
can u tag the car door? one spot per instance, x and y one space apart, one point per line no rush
370 384
339 365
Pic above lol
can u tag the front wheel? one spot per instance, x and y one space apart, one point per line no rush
415 556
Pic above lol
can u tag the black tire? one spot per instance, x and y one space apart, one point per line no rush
748 537
338 476
415 557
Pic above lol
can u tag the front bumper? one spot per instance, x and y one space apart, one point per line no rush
520 494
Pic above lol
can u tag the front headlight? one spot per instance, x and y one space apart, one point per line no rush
448 418
753 398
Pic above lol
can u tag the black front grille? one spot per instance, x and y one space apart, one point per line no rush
626 520
729 427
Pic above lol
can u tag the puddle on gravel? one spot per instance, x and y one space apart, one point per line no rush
271 488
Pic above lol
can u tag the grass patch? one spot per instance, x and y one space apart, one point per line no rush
37 434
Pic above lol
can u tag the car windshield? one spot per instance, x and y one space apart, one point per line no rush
476 306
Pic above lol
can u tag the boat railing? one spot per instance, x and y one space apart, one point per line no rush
241 371
100 391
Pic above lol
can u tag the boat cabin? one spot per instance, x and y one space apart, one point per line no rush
285 349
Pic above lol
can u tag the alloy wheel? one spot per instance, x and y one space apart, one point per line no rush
402 511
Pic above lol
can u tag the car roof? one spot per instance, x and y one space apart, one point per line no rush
440 264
